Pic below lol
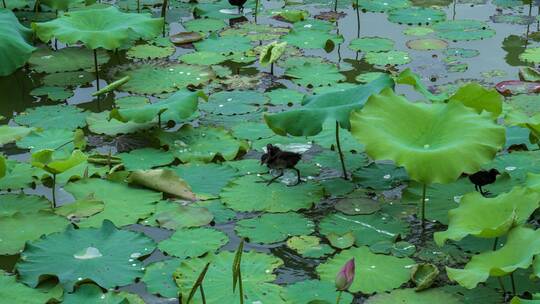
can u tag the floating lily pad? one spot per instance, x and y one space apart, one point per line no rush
380 7
371 44
49 117
203 58
315 75
312 39
309 246
313 290
158 278
172 215
412 296
15 292
145 158
68 79
224 45
460 30
273 228
193 242
416 15
204 25
427 44
65 60
148 51
391 57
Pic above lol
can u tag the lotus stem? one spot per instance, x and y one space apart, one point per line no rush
139 6
4 2
339 296
335 5
423 208
272 68
501 284
513 284
240 286
237 272
164 14
495 243
54 191
256 9
357 21
201 289
338 143
159 120
96 69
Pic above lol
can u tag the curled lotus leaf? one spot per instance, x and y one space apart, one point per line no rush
14 47
427 139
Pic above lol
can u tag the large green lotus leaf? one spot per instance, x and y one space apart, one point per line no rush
80 208
100 123
118 198
284 96
65 60
14 47
221 213
273 228
427 139
202 144
203 58
308 120
522 244
390 57
374 272
18 175
247 193
164 180
197 176
459 30
328 159
376 6
172 215
256 32
30 226
193 242
257 275
12 291
10 204
234 102
45 160
309 246
310 75
48 117
371 44
252 131
416 15
177 107
367 229
63 5
106 28
158 278
411 296
68 79
90 294
410 78
225 45
311 290
528 104
479 98
517 164
505 211
311 39
10 133
204 25
47 139
107 256
150 78
52 93
145 158
531 55
150 51
380 176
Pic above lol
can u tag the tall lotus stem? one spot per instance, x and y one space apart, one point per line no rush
164 14
357 20
139 6
236 270
4 2
338 143
272 68
338 297
335 5
256 9
54 190
423 208
513 284
96 69
198 285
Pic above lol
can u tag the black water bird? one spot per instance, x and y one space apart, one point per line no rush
276 159
239 3
482 178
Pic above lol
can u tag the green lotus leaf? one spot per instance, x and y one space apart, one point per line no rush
107 256
18 175
149 51
399 249
517 164
380 176
460 30
309 246
163 180
193 242
68 79
10 133
418 31
314 25
47 117
390 57
371 44
158 278
309 75
252 131
155 79
341 241
21 203
61 139
384 272
257 278
202 144
224 45
106 28
367 229
411 296
203 58
506 210
427 44
52 93
517 300
527 104
531 55
177 107
100 123
256 32
312 39
80 208
221 213
242 192
311 290
12 291
44 159
217 10
410 134
308 120
145 158
196 175
479 98
234 102
500 262
118 198
14 47
65 60
380 7
410 78
172 215
273 228
271 52
424 275
90 293
356 203
416 15
30 226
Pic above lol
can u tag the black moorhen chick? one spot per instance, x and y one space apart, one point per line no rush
276 159
482 178
239 3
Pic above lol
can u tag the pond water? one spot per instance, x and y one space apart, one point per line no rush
443 68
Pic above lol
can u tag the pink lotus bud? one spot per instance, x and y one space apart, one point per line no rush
345 276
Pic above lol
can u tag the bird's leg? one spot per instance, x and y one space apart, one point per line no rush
476 187
276 177
298 180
